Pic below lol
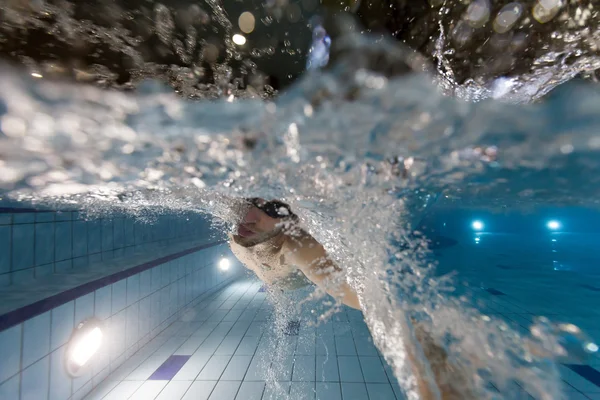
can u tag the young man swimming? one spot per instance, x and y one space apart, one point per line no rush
270 242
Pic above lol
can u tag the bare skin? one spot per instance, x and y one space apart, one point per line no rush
295 248
273 248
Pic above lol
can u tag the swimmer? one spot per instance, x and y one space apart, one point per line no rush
270 242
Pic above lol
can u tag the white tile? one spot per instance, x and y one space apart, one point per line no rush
10 351
116 362
171 345
119 296
326 346
214 368
146 368
84 308
62 325
85 389
123 390
200 390
354 391
350 370
206 329
132 325
192 368
304 368
60 382
251 391
380 391
302 391
174 390
101 358
276 391
36 338
190 346
225 390
103 300
236 370
116 334
129 365
228 346
211 343
327 369
345 346
82 380
306 345
331 391
365 346
149 390
372 369
34 380
10 388
99 376
247 346
284 364
100 391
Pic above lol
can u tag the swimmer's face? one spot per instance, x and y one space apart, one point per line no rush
256 222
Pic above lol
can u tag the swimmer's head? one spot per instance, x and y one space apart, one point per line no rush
263 220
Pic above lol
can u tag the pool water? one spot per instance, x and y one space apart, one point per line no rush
245 343
358 155
517 267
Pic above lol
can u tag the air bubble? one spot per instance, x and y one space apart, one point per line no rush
507 17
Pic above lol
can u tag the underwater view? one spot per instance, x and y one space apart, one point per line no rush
299 199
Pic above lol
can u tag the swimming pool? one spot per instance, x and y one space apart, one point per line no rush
118 205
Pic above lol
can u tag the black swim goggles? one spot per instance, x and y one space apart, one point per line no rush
273 208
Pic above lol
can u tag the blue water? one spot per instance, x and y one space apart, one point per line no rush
521 266
324 146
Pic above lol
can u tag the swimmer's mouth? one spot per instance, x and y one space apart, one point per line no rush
244 231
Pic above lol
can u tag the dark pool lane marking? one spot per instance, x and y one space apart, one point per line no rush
586 372
169 368
495 292
590 287
508 267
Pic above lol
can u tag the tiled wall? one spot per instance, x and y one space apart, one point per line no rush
134 310
37 244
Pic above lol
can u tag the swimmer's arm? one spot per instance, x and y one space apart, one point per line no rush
310 257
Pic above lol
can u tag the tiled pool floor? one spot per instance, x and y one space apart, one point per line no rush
224 347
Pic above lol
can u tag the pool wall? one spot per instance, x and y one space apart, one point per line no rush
35 244
134 305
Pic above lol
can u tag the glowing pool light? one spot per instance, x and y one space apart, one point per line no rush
85 348
224 264
554 225
591 347
85 342
477 225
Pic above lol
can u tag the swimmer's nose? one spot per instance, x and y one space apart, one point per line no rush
252 216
